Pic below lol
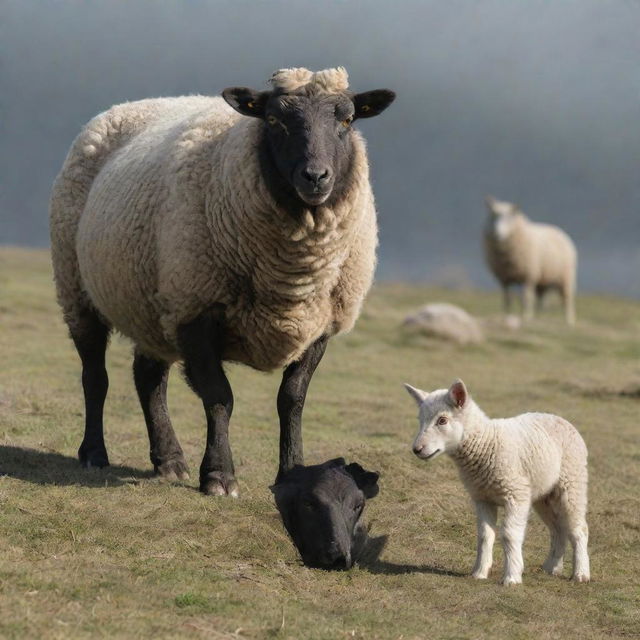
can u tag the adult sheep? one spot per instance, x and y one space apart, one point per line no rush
206 236
537 256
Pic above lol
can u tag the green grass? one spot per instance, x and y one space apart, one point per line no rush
118 553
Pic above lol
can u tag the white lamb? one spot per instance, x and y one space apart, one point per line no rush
534 458
537 256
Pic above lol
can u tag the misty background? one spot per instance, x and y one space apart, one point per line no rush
536 102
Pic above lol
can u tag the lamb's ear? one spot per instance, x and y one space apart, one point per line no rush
335 462
417 394
371 103
246 101
489 201
458 394
367 481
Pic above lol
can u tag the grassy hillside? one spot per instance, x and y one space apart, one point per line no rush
117 553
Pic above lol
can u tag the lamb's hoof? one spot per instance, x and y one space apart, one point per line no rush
171 470
218 483
580 577
480 575
93 457
507 581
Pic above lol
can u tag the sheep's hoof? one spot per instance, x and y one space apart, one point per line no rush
218 483
171 470
580 577
93 457
480 575
507 581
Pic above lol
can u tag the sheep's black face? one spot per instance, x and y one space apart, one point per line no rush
321 507
308 135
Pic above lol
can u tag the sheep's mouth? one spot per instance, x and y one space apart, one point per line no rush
431 455
313 197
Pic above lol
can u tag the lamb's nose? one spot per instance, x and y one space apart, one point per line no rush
417 448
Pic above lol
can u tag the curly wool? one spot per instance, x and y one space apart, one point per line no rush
160 213
327 81
520 458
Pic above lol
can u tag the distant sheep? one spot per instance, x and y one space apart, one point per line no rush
210 229
534 458
321 507
537 256
444 320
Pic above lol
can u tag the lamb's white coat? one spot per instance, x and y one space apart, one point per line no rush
537 256
160 212
534 459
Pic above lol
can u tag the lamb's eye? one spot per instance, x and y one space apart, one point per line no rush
347 122
442 420
272 119
358 507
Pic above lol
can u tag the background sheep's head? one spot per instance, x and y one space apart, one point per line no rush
321 507
502 217
308 138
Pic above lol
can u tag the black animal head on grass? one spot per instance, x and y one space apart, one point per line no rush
307 130
321 507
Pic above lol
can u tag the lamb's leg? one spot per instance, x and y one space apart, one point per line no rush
574 502
151 376
528 298
91 335
549 510
486 517
515 524
201 343
291 397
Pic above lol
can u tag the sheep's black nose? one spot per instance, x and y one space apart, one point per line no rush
316 175
417 448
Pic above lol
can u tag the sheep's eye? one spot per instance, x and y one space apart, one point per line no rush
272 119
347 122
442 420
358 507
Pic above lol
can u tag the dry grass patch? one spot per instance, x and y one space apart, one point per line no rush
117 553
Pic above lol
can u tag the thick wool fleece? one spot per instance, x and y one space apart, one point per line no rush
540 254
523 458
161 213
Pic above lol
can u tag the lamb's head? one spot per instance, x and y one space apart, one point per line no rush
503 217
308 135
441 417
321 507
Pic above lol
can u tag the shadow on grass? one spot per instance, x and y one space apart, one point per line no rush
370 561
44 467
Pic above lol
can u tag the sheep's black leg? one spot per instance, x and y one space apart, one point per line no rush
151 376
291 397
91 335
201 342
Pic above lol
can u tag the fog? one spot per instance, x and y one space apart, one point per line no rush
536 102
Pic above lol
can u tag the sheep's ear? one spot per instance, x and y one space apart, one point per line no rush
489 201
335 462
367 481
458 394
246 101
417 394
372 103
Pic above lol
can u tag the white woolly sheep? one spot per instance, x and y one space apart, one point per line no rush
534 458
206 236
537 256
444 320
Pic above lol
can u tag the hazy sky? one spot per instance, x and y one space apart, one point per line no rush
536 102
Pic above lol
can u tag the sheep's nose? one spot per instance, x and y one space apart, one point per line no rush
316 175
417 449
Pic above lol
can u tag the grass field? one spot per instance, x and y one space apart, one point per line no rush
116 553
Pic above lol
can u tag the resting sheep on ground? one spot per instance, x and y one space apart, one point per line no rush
321 507
534 458
209 229
537 256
